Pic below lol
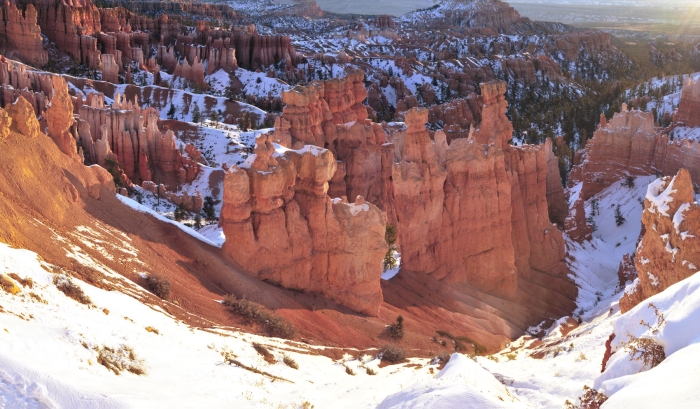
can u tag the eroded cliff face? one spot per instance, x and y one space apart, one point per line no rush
130 134
22 34
475 210
670 248
282 226
330 114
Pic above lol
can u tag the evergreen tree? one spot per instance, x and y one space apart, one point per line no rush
196 115
171 111
619 219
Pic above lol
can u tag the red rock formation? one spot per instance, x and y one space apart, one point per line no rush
571 45
70 25
689 109
59 117
495 127
670 248
193 73
480 215
385 21
626 272
556 200
22 35
131 133
282 226
110 69
330 114
627 145
491 14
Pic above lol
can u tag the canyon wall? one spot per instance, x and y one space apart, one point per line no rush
670 248
475 210
132 135
628 145
282 226
22 35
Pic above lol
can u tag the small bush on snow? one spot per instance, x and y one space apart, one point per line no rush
647 350
290 362
392 353
120 359
590 399
71 290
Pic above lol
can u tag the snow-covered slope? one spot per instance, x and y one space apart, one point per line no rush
53 348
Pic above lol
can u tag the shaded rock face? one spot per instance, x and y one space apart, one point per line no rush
670 248
331 114
68 24
22 35
689 107
282 226
475 210
130 134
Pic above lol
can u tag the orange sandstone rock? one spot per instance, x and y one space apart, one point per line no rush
282 226
670 248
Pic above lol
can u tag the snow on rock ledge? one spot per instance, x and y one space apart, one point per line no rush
670 249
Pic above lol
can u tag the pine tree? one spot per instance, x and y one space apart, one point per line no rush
619 219
180 212
196 115
171 111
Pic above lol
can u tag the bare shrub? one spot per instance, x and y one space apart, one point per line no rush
647 350
159 286
349 370
370 371
396 329
120 359
290 362
273 324
590 399
392 353
71 290
265 353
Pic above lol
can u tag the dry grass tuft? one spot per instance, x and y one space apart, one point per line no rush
119 360
71 290
265 353
8 285
290 362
